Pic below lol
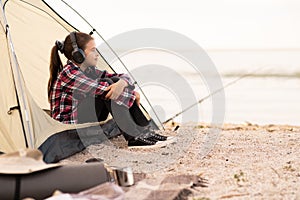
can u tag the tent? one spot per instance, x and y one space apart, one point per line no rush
29 29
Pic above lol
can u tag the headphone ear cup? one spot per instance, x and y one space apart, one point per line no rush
78 56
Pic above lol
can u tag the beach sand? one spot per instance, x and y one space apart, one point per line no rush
246 161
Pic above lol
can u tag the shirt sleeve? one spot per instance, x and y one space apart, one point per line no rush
75 80
125 77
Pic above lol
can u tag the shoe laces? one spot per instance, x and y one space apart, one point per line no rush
144 140
150 133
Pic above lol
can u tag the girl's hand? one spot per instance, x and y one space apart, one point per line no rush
115 90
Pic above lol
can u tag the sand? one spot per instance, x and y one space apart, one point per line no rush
245 161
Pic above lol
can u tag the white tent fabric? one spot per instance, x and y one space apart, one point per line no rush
10 125
29 29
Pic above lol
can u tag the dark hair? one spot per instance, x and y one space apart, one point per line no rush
56 65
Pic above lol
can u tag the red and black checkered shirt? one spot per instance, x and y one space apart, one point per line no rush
73 85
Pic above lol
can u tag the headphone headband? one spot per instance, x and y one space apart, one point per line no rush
73 40
77 53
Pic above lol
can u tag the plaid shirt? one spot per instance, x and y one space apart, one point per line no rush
73 85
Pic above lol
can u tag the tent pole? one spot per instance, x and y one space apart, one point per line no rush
16 74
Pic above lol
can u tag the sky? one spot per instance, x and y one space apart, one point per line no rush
214 24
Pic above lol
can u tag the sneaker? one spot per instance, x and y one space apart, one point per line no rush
152 135
155 137
144 143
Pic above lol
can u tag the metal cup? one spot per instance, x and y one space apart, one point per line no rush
123 176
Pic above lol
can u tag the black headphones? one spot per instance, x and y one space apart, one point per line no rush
77 53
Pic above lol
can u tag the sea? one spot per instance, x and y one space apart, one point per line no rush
258 86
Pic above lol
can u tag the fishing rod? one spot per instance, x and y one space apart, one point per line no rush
213 93
115 54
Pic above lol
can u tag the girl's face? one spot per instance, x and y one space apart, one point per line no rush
91 54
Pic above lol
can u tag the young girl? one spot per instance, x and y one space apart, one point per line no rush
79 92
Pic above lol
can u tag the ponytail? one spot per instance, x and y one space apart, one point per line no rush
55 68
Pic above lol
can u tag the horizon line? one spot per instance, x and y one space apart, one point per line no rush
253 49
